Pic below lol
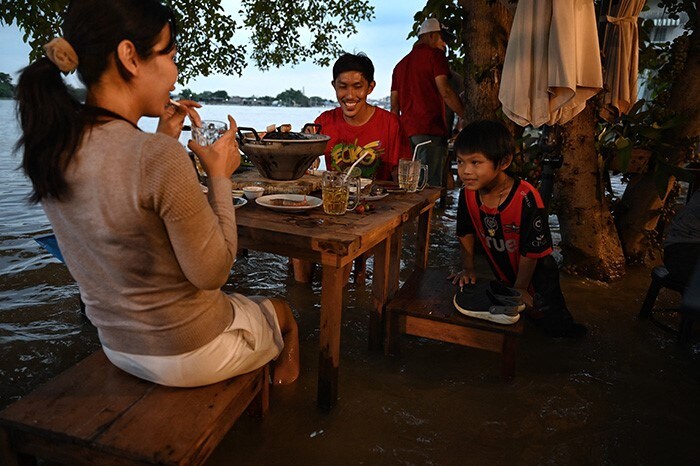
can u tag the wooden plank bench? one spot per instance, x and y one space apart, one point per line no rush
94 413
423 307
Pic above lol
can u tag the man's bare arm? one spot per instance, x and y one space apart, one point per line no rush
449 95
395 108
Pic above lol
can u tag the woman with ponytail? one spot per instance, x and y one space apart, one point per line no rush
148 249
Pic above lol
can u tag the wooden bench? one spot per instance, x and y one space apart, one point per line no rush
96 414
423 307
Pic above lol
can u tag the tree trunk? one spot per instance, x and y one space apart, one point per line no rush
486 27
640 206
590 244
637 217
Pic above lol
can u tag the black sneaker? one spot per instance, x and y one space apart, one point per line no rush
507 294
479 303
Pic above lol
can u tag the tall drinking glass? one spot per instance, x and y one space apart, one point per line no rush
336 192
205 135
410 174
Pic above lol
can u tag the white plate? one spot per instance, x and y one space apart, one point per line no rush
311 200
239 202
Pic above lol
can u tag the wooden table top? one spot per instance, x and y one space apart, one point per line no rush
328 239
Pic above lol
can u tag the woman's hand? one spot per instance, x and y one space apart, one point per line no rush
221 158
463 277
173 117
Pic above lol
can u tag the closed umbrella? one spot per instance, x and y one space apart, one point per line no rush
552 63
621 58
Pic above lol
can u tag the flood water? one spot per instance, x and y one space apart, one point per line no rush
626 394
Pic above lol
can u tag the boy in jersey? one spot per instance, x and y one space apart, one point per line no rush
357 127
508 218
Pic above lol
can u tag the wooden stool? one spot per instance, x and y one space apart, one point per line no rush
94 413
423 307
660 279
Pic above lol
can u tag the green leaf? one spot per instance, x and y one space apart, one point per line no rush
623 152
282 32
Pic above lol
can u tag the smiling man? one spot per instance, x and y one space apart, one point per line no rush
357 127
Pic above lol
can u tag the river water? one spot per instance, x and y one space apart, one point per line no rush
626 394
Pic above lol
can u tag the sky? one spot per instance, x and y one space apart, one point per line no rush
383 40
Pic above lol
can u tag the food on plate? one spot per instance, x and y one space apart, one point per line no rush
289 202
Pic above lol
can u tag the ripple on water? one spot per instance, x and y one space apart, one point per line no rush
37 331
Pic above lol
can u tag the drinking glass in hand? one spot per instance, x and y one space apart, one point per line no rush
205 135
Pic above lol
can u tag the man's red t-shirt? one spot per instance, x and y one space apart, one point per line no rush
382 136
422 106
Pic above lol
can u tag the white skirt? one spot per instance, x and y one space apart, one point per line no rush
251 340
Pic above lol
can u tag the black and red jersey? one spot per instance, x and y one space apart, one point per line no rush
518 227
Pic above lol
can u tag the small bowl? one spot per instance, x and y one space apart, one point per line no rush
237 193
253 192
364 182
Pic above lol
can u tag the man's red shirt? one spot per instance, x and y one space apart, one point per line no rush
422 106
382 133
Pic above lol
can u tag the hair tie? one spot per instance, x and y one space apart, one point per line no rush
61 54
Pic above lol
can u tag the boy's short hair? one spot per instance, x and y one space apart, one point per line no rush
350 62
487 137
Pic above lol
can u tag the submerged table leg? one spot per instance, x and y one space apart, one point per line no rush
380 293
423 239
396 246
329 354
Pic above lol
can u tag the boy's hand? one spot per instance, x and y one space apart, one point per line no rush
463 277
527 297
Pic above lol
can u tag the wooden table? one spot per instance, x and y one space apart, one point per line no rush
334 242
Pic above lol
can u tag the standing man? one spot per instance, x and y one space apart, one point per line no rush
420 89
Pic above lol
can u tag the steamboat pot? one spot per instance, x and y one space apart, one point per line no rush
281 155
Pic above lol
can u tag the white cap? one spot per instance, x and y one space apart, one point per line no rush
430 25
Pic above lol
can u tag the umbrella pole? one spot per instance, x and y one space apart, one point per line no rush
549 143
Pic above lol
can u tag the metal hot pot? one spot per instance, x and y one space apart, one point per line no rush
282 155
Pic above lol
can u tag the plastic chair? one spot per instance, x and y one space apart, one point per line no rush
660 279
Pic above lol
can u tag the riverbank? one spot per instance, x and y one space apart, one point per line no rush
623 395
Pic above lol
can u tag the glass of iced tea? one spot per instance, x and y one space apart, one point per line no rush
336 188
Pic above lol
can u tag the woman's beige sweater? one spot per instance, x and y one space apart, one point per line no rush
148 251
